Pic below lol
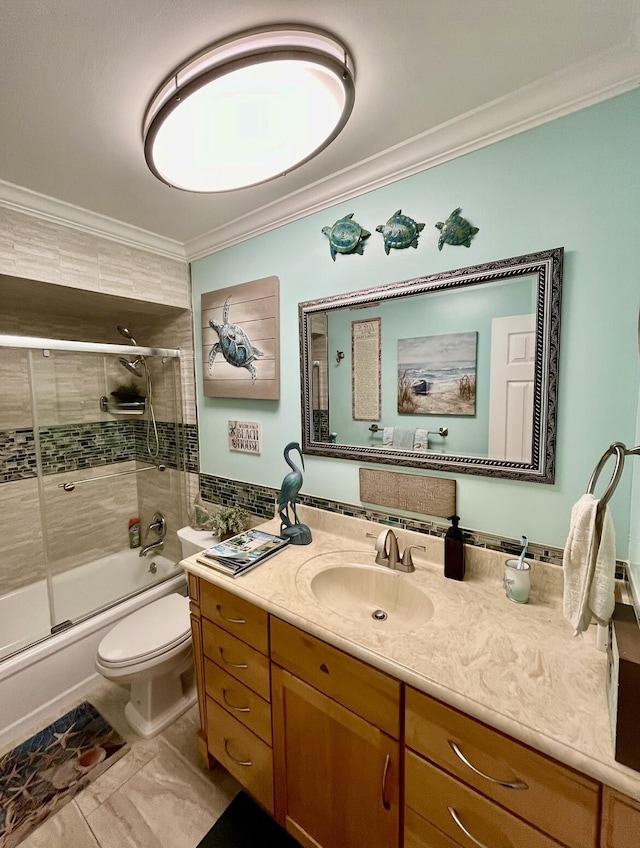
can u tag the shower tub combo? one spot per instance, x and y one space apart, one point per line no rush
50 628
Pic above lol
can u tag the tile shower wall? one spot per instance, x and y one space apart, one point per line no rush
36 249
91 521
44 262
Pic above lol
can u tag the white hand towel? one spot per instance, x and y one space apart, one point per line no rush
403 439
421 440
387 437
589 565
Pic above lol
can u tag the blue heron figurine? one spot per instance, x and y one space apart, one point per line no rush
298 534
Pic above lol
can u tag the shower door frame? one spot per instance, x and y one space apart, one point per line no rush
38 343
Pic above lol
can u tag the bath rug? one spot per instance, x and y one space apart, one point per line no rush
244 825
40 775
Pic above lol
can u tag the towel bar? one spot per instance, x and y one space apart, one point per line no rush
621 451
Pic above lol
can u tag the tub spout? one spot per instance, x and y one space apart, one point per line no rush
154 546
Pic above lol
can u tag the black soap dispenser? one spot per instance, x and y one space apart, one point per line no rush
454 551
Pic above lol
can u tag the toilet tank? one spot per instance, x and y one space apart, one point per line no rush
194 541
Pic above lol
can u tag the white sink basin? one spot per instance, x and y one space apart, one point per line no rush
373 594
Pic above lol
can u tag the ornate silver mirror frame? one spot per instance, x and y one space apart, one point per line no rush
543 270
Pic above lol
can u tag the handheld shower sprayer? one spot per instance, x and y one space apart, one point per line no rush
138 367
125 332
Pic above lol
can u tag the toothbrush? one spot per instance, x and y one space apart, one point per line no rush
524 542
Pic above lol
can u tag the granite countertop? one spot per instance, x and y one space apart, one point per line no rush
515 667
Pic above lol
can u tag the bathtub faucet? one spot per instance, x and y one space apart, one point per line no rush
154 546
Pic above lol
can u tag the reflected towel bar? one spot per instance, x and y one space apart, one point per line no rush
443 431
69 487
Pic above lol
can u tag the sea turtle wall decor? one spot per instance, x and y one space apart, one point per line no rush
399 232
346 236
456 230
235 345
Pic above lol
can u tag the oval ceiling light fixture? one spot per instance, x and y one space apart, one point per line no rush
249 109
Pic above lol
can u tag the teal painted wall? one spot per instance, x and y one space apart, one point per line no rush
431 315
571 183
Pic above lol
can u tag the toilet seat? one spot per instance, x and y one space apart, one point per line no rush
151 631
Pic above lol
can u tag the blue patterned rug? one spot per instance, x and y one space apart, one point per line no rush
40 775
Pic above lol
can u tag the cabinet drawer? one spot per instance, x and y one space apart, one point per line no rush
364 690
240 751
237 659
453 808
238 700
556 799
419 833
235 615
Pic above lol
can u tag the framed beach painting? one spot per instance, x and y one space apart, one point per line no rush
241 340
437 374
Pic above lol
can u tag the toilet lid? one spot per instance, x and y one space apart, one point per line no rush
148 632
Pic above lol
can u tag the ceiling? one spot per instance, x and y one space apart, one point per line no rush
433 80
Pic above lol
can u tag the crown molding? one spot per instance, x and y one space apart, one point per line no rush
600 78
66 214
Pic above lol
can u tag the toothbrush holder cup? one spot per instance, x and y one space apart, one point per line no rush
517 581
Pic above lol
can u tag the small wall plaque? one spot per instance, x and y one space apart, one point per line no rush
244 436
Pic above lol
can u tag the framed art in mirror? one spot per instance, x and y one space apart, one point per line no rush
468 370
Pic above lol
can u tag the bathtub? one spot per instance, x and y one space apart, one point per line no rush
60 667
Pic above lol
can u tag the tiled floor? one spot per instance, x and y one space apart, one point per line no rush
157 796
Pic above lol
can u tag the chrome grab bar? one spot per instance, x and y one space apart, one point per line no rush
70 486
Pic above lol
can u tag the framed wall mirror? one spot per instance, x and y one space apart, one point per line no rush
454 372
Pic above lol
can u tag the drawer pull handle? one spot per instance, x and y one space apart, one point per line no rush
229 620
508 784
231 757
386 804
228 662
456 819
237 709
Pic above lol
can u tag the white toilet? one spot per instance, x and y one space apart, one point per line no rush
151 651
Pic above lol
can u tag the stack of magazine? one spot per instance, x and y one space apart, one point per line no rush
237 555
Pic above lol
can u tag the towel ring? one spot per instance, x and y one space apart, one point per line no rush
620 451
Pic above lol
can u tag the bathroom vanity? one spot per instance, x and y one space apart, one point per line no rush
461 720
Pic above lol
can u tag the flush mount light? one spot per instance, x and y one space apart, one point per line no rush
249 109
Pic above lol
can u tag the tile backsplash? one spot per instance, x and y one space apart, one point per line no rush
261 501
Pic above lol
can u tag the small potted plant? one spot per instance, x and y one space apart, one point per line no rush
229 521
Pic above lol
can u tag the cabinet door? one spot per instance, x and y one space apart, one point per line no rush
336 774
620 820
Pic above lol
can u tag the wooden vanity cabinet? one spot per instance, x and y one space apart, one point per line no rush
620 821
336 729
316 736
235 687
462 775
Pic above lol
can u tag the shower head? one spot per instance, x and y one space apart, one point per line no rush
124 332
132 366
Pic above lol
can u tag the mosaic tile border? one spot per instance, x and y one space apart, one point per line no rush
76 446
17 455
72 447
261 501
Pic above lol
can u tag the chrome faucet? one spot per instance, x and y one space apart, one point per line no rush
154 546
390 557
158 526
